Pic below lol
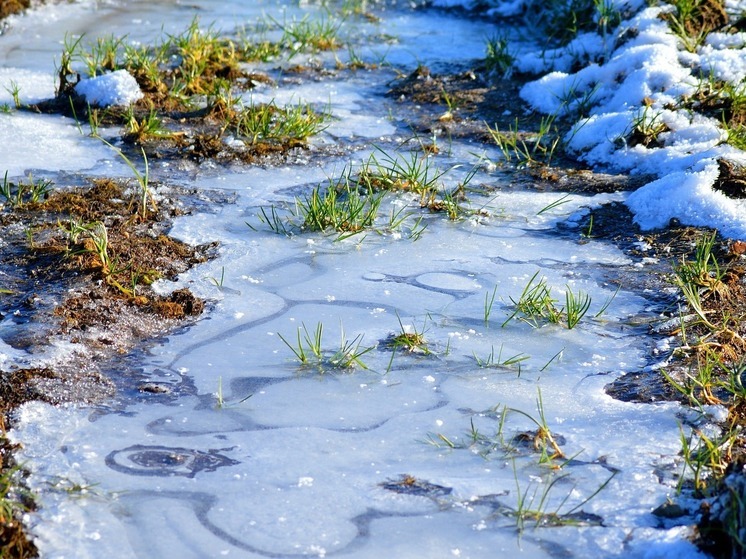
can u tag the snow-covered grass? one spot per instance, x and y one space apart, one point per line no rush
610 80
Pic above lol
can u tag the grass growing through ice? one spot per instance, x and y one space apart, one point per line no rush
342 208
536 305
541 440
489 302
310 35
269 122
555 204
24 192
15 92
532 507
350 204
527 149
415 173
309 351
346 211
493 361
391 172
409 338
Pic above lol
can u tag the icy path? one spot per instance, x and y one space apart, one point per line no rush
250 454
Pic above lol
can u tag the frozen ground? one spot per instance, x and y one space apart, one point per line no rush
253 455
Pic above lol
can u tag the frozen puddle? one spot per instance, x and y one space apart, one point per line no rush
419 454
298 462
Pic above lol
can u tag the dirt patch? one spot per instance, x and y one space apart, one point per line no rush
701 16
93 253
10 7
462 104
732 179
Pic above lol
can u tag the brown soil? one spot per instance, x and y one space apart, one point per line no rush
732 179
706 16
105 306
10 7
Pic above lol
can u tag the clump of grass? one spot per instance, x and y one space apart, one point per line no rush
536 305
202 56
499 59
710 380
308 350
722 100
703 270
409 338
307 346
391 172
268 122
15 91
693 20
103 55
544 440
340 208
413 172
533 506
148 127
576 306
646 129
310 35
699 280
67 76
541 440
24 192
528 149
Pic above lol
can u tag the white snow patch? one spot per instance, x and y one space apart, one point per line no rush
114 88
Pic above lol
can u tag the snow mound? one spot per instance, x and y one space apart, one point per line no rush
115 88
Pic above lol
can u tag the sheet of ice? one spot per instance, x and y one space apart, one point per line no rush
32 86
46 143
297 467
